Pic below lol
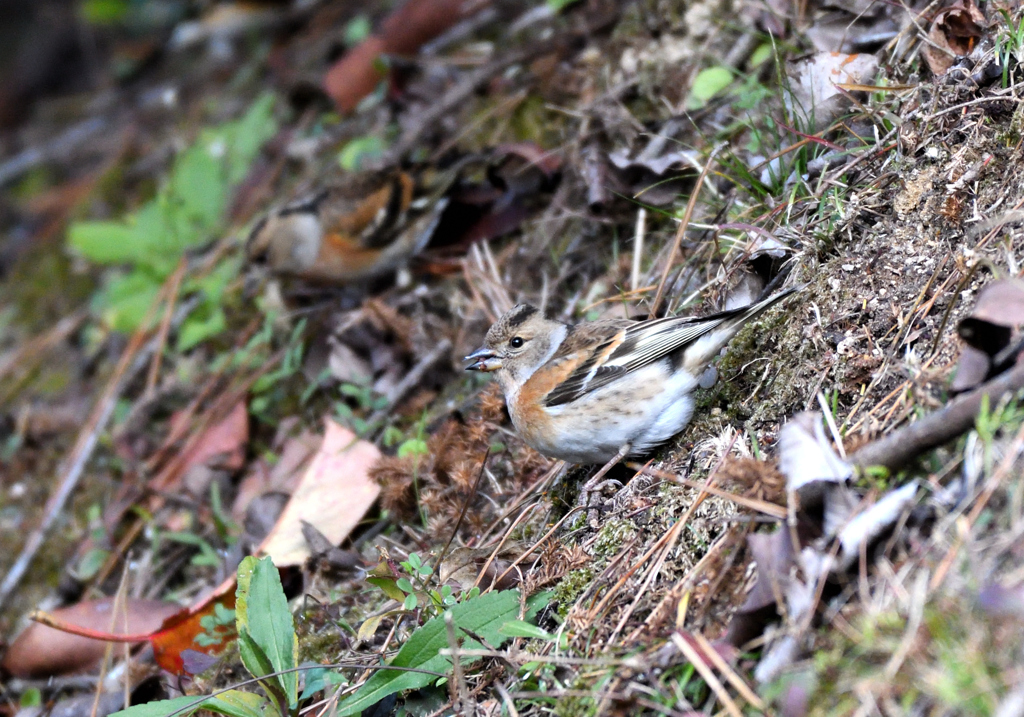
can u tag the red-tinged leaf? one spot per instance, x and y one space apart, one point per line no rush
178 633
355 75
222 444
416 22
73 639
419 21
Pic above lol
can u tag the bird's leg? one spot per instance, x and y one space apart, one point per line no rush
595 483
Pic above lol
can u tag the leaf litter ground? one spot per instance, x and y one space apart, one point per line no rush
895 218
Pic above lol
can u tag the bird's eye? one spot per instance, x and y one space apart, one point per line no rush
516 342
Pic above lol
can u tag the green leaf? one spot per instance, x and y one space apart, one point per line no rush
198 328
262 614
761 55
178 706
156 233
31 697
199 187
520 628
233 703
258 664
126 300
107 242
707 84
357 30
389 586
537 602
318 678
413 447
184 214
246 136
483 615
90 564
360 150
103 12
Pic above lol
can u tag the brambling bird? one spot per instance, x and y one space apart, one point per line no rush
598 391
360 230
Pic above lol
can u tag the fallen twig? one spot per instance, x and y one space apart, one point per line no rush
901 446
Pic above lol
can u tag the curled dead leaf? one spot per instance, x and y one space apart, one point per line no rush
988 332
954 33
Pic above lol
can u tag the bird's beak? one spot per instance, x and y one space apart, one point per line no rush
485 360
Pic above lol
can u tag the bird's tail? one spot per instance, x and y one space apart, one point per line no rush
700 353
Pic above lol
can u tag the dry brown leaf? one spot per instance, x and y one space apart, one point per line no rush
814 92
953 34
334 495
988 331
41 651
222 444
282 476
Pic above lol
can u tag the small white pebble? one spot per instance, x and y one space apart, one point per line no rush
847 267
17 491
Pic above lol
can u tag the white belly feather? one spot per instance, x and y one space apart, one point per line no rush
593 428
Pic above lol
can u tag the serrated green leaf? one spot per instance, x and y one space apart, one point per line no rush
483 615
262 614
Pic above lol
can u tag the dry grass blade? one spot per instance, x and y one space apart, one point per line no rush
533 548
760 506
707 674
36 348
681 231
730 674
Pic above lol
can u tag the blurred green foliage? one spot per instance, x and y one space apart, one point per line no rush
186 213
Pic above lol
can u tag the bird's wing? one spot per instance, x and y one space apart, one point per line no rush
587 348
610 349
